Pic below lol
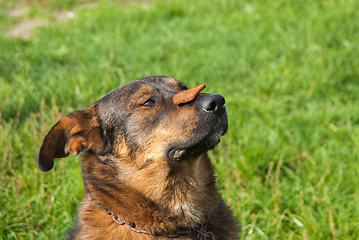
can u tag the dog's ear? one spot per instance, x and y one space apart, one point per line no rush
76 132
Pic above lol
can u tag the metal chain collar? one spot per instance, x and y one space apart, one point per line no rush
201 231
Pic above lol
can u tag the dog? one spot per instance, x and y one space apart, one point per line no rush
145 166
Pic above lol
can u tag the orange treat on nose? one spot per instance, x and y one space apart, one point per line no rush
188 95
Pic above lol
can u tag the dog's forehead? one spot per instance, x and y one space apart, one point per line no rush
159 80
124 96
162 83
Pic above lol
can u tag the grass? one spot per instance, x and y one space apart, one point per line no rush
289 71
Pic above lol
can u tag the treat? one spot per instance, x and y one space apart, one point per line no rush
188 95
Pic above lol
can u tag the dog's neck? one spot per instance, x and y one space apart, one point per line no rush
153 206
201 230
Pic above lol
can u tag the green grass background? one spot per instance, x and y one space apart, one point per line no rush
289 72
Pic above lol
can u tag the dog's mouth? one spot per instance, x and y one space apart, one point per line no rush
179 153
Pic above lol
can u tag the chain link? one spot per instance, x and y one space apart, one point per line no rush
201 231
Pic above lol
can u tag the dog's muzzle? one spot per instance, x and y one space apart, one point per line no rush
213 107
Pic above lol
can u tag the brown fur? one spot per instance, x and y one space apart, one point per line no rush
144 159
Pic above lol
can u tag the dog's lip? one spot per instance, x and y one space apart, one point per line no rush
177 154
180 152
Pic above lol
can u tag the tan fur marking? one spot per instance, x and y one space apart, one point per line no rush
75 145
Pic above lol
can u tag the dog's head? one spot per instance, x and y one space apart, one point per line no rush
140 122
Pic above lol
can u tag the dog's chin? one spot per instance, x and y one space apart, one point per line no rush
180 153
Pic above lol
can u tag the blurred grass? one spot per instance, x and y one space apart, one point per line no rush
288 69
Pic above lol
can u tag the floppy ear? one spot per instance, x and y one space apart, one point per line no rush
76 132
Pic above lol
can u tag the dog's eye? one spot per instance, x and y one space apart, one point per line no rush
184 88
149 102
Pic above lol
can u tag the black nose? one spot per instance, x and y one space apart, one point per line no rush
214 103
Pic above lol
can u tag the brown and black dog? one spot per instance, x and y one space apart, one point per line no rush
145 166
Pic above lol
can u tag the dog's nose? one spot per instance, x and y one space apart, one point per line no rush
214 103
